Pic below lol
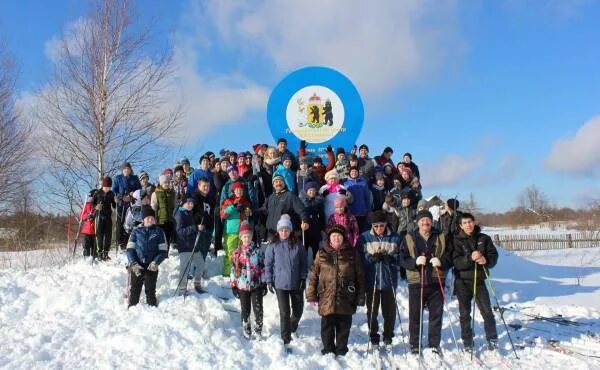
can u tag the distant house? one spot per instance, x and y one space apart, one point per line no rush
556 225
434 200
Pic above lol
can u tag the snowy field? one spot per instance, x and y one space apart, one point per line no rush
62 314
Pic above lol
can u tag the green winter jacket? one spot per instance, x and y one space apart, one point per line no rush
165 205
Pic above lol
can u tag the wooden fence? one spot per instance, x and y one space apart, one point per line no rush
532 242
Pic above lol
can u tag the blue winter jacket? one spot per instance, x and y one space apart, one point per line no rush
124 185
361 194
285 266
147 244
197 175
380 270
185 229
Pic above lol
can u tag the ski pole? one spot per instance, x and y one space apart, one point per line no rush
473 315
487 275
372 308
398 312
437 270
421 314
184 273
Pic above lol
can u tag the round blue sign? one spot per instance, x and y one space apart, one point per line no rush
316 104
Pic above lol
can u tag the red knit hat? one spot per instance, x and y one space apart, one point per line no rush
237 185
245 228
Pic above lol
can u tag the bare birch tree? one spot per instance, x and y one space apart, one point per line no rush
107 100
15 148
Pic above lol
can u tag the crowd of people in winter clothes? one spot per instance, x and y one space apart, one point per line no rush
337 235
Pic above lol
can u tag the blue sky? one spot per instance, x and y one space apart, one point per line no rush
488 96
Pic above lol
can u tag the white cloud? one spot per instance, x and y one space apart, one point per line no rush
451 170
53 47
378 45
579 154
212 102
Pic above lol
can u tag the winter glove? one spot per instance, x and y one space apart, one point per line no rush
236 292
264 290
343 191
303 144
435 262
421 260
270 287
136 269
329 148
302 284
153 267
325 193
90 217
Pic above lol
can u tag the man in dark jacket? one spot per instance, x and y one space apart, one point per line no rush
450 221
204 210
146 249
282 202
407 159
366 165
123 185
379 249
473 249
424 254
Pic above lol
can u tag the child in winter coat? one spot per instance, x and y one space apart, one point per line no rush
313 209
285 275
187 246
88 226
234 210
304 175
332 190
337 284
163 203
378 192
146 249
341 164
285 171
342 216
104 203
134 213
246 280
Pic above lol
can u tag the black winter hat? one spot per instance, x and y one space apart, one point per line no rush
422 214
126 164
363 146
388 150
378 217
336 228
407 154
453 204
147 211
281 140
340 151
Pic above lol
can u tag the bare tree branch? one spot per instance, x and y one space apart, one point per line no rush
106 101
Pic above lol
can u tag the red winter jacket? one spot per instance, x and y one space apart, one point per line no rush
88 227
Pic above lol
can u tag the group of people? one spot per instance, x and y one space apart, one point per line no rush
360 220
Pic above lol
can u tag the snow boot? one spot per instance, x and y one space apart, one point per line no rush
492 345
246 329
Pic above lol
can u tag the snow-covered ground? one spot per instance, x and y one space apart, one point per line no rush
72 315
